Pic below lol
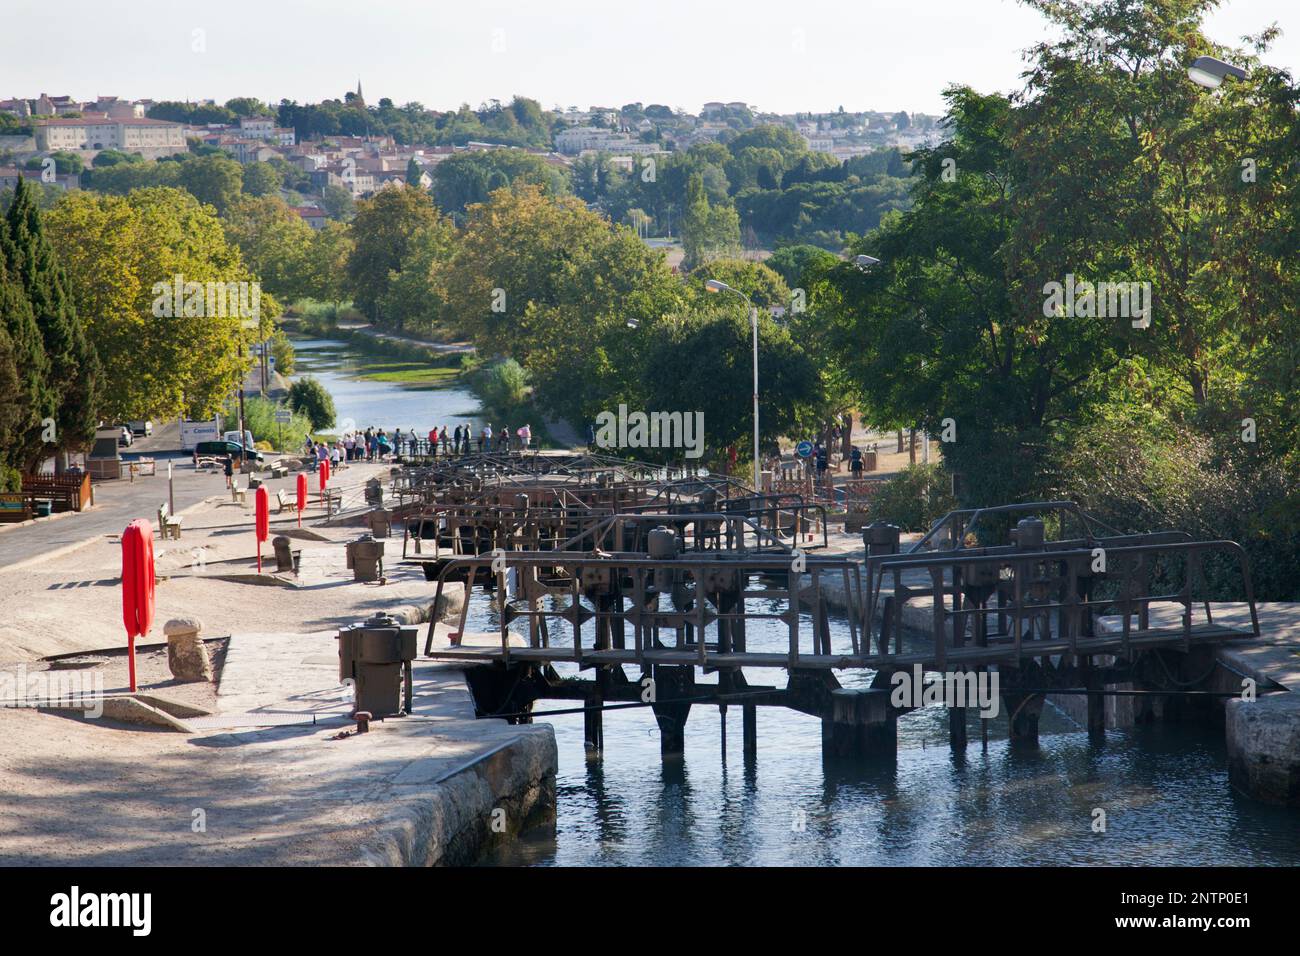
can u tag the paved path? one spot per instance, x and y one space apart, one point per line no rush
117 503
416 790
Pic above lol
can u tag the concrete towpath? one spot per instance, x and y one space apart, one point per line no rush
435 787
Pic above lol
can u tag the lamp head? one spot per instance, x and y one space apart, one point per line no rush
1210 72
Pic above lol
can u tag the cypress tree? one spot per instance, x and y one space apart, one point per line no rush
24 400
74 373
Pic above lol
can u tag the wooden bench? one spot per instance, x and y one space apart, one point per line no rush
282 501
169 526
237 494
333 499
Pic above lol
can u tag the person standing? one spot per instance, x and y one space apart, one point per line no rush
230 470
485 438
855 463
525 436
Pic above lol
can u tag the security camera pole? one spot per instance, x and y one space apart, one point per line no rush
716 285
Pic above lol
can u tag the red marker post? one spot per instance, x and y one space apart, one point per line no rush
263 521
324 472
137 586
302 495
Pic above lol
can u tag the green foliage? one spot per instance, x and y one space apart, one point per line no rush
383 234
215 180
308 397
74 372
798 264
521 122
708 230
113 157
274 242
283 353
704 363
261 179
338 202
764 287
121 256
415 300
24 399
194 115
259 418
915 498
469 178
1140 479
502 385
64 163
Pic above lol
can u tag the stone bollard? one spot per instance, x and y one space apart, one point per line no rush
1263 738
187 656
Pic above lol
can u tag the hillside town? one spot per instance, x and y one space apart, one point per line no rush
61 127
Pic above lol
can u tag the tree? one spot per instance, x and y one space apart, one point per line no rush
469 178
414 172
124 256
382 232
24 399
323 273
261 179
792 262
273 240
765 288
519 247
708 231
215 180
338 201
718 377
416 295
309 397
74 372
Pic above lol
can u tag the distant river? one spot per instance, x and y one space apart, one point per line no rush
367 402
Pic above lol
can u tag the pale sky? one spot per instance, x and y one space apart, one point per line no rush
809 55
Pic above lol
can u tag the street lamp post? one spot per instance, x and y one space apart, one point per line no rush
716 285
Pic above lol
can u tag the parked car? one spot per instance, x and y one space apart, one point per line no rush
220 449
125 436
144 428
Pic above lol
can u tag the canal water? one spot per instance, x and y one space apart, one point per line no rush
366 402
1163 788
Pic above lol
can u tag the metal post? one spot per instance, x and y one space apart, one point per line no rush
753 318
171 491
243 452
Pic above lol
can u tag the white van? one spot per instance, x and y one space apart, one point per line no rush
246 441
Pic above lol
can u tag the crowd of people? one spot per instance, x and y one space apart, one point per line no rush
374 444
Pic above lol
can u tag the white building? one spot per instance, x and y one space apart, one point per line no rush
96 133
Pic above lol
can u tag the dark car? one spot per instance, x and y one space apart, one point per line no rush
220 449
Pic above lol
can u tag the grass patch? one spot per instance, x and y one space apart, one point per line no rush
407 373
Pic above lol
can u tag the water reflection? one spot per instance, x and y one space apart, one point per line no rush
368 402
